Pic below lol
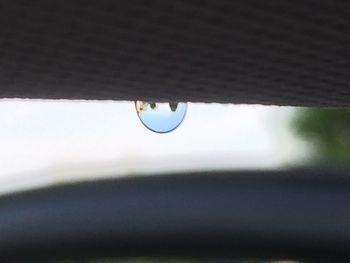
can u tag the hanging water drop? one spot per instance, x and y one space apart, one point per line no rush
161 117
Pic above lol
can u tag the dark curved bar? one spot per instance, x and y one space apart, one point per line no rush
291 214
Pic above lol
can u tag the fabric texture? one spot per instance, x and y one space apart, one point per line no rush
244 51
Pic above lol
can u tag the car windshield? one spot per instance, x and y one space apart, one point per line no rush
46 142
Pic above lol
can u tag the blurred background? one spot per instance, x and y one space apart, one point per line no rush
46 142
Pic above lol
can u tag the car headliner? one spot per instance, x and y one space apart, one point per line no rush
265 52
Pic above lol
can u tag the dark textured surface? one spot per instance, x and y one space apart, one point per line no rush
269 52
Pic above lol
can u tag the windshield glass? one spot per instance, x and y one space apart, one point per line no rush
47 142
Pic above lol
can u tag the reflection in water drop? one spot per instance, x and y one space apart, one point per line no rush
161 117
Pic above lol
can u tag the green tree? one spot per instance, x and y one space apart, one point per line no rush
326 129
153 105
173 106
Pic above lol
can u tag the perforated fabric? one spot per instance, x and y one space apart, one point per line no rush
268 52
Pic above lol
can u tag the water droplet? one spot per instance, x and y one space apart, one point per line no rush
161 117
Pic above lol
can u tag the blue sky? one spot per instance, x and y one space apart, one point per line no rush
162 119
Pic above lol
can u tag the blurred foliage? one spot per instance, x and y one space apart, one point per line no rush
328 132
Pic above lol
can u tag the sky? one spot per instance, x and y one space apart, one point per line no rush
51 141
162 119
